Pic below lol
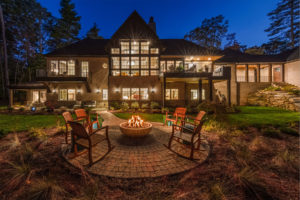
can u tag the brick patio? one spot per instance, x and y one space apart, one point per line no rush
139 158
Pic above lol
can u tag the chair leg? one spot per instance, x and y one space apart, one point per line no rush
75 149
90 155
66 134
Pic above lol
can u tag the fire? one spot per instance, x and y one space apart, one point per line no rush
135 122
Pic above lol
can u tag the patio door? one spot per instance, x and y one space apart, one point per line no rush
277 74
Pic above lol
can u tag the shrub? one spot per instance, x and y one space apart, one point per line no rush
22 109
10 109
135 105
115 105
289 131
164 110
211 108
124 106
2 134
154 105
272 133
145 106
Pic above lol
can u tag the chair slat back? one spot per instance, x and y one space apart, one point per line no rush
80 113
67 117
180 112
199 117
78 130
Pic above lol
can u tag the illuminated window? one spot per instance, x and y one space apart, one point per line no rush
154 50
115 51
154 72
104 94
125 63
179 63
125 47
154 62
126 93
145 72
84 69
144 93
144 62
135 94
35 96
163 66
144 47
62 67
135 47
71 94
54 66
171 94
63 94
203 94
135 63
170 65
115 72
71 67
135 73
194 94
115 62
43 96
125 73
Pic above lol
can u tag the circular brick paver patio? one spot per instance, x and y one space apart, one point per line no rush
140 157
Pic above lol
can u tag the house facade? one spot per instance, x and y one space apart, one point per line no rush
135 65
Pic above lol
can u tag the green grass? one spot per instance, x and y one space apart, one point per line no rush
146 116
258 115
11 123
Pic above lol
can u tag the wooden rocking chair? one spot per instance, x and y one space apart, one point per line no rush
83 116
190 135
68 118
89 140
178 114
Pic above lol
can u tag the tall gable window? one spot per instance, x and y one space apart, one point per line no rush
115 51
144 47
62 67
135 47
135 59
54 66
125 47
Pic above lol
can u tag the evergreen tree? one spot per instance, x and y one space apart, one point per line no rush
94 32
67 28
285 26
211 32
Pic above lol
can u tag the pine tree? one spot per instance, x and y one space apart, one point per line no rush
94 32
67 27
284 28
211 32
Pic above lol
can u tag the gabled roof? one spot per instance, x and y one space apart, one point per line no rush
183 47
134 27
85 47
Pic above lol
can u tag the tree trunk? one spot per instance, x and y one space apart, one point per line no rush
5 56
2 75
292 24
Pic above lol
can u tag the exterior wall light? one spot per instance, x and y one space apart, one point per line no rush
54 90
98 91
79 91
117 90
153 90
209 58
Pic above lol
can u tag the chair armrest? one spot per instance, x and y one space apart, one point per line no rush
95 131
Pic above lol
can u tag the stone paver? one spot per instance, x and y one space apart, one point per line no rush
139 158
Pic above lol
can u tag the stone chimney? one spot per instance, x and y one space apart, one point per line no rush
152 24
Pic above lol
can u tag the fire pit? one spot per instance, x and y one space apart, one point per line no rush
135 127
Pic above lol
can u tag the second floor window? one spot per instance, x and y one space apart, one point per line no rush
54 66
125 63
71 67
62 67
84 69
144 47
124 47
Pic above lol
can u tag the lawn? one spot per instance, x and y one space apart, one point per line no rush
18 122
247 116
258 115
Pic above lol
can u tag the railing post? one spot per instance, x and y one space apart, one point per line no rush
258 76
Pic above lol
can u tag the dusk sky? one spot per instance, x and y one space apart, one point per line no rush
174 18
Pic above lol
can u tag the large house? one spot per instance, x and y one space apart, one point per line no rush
136 65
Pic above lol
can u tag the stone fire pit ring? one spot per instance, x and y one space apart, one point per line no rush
136 132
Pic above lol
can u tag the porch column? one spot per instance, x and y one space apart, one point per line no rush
258 73
247 73
270 73
164 91
282 72
200 90
228 92
210 85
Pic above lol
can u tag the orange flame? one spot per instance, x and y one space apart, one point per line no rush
135 122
